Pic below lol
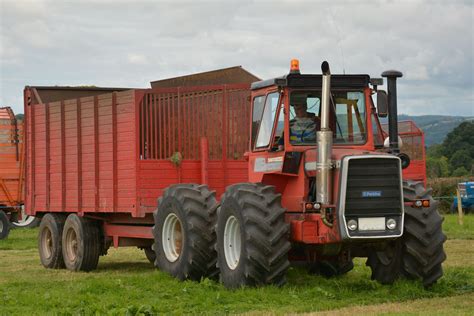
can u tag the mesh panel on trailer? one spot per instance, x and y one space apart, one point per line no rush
174 122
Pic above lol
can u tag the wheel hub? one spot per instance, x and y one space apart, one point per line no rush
232 242
71 245
172 237
47 243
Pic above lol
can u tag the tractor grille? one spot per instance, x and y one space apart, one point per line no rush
373 188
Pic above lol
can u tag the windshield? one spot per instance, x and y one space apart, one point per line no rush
347 117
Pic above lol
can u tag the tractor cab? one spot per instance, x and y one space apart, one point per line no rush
286 113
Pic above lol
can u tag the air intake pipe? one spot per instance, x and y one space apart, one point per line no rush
324 142
392 76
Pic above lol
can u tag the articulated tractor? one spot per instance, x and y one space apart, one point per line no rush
324 189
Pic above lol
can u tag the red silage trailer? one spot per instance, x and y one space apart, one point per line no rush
107 155
412 144
11 169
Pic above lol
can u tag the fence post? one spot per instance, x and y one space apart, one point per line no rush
460 214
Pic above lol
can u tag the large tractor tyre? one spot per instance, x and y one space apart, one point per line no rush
184 232
4 225
49 241
81 244
423 251
252 237
331 268
419 253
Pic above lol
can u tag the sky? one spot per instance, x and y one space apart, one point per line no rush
130 43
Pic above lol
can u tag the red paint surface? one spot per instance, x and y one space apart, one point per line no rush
111 153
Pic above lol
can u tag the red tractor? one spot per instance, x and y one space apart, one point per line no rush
299 160
323 189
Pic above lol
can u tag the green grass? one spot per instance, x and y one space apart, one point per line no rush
455 231
126 283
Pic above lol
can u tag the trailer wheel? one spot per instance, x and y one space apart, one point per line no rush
4 225
252 237
81 243
49 241
184 232
419 253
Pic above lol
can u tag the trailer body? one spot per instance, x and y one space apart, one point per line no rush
412 144
111 155
11 161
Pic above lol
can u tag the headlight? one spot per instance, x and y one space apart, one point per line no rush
391 223
352 224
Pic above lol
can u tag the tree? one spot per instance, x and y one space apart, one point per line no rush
461 159
437 167
460 172
435 151
462 137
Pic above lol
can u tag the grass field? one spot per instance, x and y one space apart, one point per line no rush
126 283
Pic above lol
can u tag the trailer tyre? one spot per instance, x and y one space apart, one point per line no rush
81 244
49 241
184 232
252 237
419 253
4 225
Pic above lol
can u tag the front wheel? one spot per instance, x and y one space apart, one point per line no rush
419 253
252 237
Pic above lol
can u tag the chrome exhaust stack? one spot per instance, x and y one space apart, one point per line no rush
392 76
324 142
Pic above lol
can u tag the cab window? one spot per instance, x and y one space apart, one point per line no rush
258 106
350 117
267 120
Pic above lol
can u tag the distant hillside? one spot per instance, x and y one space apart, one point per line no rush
435 127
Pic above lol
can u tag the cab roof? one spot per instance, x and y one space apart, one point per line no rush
312 81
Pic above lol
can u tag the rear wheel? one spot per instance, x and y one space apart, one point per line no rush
419 253
252 237
81 243
4 225
49 241
184 232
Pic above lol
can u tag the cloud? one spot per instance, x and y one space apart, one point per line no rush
130 43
